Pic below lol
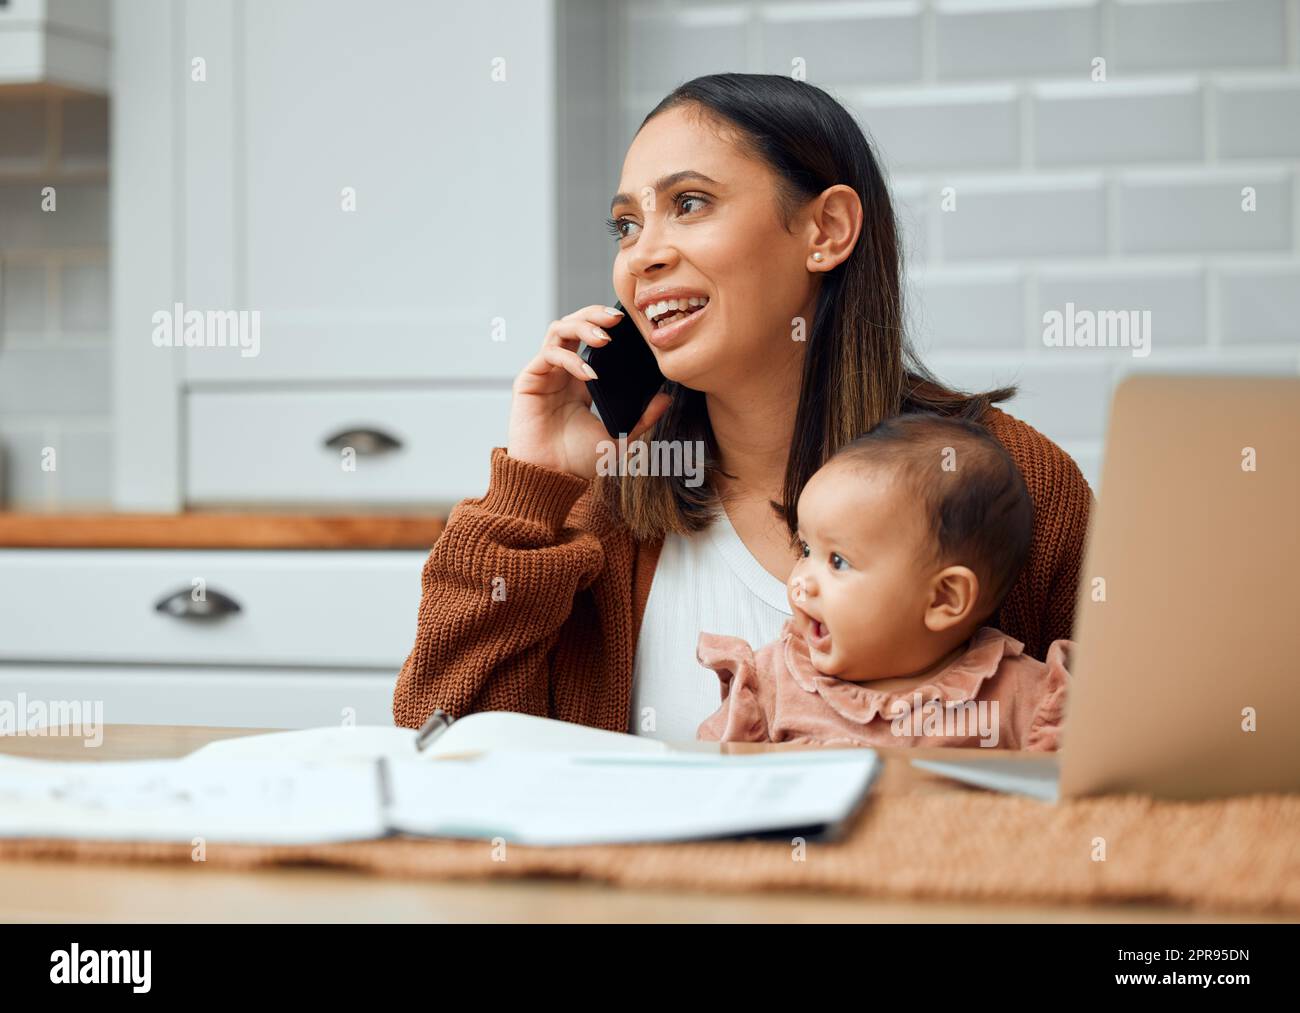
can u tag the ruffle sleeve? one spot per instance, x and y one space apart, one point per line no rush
740 718
1044 733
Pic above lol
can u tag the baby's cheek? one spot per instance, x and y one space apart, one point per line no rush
863 648
855 609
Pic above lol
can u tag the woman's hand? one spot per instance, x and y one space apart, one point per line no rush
551 423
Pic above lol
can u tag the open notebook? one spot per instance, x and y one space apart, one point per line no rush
510 779
472 733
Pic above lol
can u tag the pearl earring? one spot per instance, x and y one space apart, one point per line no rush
817 256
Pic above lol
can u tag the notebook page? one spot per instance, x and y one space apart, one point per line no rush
527 732
572 799
472 733
332 744
257 802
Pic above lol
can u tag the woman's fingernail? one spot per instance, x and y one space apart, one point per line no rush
613 312
598 334
589 371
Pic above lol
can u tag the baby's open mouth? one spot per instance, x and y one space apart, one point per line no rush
819 637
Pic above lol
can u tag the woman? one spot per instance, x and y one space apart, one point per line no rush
580 596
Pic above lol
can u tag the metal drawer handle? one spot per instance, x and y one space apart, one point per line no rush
213 605
366 442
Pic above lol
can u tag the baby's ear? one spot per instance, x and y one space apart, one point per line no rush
954 594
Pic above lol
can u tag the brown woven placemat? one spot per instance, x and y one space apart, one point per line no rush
1240 854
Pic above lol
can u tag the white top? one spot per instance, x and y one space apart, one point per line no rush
709 582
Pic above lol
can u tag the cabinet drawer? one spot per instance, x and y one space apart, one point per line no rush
374 447
335 609
237 698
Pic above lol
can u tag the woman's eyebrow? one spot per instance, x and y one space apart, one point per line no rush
662 184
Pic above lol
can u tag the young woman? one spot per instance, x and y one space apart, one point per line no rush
756 200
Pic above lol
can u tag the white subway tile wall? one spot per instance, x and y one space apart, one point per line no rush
1106 155
1156 34
55 411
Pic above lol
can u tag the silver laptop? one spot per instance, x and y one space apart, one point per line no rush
1186 683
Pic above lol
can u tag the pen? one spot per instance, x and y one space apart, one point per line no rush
431 729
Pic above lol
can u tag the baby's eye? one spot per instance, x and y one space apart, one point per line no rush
803 549
837 559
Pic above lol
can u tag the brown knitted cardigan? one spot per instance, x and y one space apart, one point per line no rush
533 594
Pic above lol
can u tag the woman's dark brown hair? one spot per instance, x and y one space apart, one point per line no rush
859 367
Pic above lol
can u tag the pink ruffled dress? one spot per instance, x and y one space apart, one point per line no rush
994 695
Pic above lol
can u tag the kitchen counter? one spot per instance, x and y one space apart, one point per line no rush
213 530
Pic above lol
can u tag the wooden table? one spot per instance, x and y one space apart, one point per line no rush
60 891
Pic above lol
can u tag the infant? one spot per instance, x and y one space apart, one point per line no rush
909 537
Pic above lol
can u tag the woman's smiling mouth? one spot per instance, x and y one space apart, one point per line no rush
671 317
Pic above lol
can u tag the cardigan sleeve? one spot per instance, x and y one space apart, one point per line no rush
498 585
1074 504
1040 606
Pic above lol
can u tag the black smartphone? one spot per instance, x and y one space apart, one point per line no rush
627 375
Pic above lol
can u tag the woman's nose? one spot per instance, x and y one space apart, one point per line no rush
651 253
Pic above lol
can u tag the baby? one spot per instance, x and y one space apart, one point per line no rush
910 537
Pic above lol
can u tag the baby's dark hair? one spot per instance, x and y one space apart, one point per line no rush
974 496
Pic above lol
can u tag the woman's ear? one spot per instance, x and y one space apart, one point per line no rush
836 224
954 592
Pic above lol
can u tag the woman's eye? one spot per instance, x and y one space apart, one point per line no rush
624 228
690 197
616 227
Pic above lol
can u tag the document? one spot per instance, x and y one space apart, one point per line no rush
605 798
278 802
507 777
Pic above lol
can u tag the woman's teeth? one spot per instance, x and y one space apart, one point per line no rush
672 310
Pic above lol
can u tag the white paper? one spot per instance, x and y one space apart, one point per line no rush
263 802
593 798
541 798
508 730
475 732
360 744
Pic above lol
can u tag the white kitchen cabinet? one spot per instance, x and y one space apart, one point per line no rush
370 446
383 173
244 638
241 698
403 192
336 608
